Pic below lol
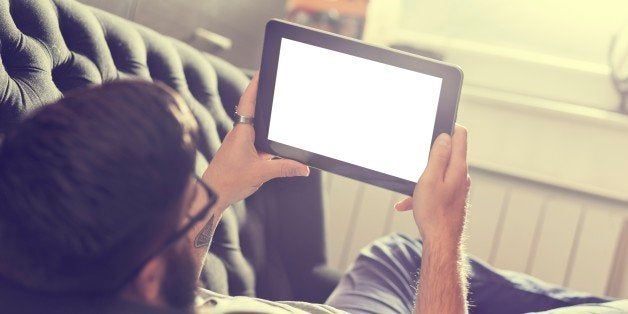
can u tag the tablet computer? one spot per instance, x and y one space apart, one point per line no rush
361 111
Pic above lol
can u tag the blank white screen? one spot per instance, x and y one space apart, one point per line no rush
359 111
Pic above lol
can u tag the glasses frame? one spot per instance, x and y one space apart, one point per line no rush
177 235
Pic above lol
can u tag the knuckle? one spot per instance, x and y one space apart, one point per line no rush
294 172
284 170
426 182
442 154
288 171
425 177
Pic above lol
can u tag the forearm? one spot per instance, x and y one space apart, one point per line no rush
442 279
200 238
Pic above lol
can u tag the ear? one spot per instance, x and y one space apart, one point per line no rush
146 286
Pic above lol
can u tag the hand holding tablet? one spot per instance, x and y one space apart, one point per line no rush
361 111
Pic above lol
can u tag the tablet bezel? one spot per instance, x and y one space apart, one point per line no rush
278 29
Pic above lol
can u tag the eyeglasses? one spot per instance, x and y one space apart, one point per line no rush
177 235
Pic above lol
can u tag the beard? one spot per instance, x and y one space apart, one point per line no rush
179 285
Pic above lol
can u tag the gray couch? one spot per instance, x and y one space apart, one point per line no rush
271 246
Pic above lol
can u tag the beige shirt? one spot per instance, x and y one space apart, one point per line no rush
211 302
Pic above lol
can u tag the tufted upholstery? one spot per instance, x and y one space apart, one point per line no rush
272 247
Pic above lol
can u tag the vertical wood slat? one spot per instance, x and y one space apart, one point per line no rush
351 227
518 229
372 211
497 237
618 285
573 251
342 199
556 238
536 237
486 199
597 246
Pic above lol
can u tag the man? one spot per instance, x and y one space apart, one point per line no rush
100 212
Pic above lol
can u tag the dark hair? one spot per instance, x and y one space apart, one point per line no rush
90 183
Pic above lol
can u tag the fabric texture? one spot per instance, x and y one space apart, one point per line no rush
273 246
613 307
211 302
383 279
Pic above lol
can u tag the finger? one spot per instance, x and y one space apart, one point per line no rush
281 168
246 107
404 205
439 157
458 165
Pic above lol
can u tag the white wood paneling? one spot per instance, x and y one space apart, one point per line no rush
519 227
556 238
560 236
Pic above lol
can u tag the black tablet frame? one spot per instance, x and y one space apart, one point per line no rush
278 29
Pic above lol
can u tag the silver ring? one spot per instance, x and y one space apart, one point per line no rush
243 120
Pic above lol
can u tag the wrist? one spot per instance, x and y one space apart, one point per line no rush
442 243
213 181
221 205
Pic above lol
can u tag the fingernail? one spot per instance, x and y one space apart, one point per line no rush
397 205
443 139
305 171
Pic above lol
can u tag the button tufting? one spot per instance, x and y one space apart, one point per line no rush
90 46
50 47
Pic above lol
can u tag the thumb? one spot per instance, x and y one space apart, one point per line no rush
439 156
278 168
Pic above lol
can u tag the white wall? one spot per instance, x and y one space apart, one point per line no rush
578 30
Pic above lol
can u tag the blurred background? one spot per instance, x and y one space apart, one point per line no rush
543 99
